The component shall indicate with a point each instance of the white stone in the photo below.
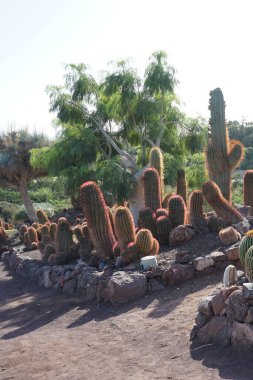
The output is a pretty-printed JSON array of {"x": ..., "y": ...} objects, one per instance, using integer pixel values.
[{"x": 201, "y": 263}]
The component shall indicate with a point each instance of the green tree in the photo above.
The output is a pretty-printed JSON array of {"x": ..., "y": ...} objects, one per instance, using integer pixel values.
[{"x": 15, "y": 168}]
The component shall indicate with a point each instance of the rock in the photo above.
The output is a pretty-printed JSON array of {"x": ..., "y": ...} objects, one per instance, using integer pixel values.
[
  {"x": 219, "y": 303},
  {"x": 155, "y": 285},
  {"x": 242, "y": 336},
  {"x": 240, "y": 274},
  {"x": 91, "y": 292},
  {"x": 249, "y": 317},
  {"x": 182, "y": 257},
  {"x": 69, "y": 286},
  {"x": 67, "y": 276},
  {"x": 247, "y": 291},
  {"x": 201, "y": 263},
  {"x": 205, "y": 306},
  {"x": 243, "y": 226},
  {"x": 181, "y": 234},
  {"x": 218, "y": 256},
  {"x": 178, "y": 273},
  {"x": 47, "y": 283},
  {"x": 119, "y": 263},
  {"x": 229, "y": 235},
  {"x": 237, "y": 308},
  {"x": 232, "y": 253},
  {"x": 155, "y": 272},
  {"x": 95, "y": 277},
  {"x": 202, "y": 319},
  {"x": 245, "y": 211},
  {"x": 217, "y": 330},
  {"x": 123, "y": 287},
  {"x": 194, "y": 332}
]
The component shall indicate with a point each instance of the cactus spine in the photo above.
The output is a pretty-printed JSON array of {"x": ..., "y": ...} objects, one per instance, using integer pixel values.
[
  {"x": 152, "y": 189},
  {"x": 182, "y": 185},
  {"x": 248, "y": 190},
  {"x": 156, "y": 161},
  {"x": 220, "y": 205},
  {"x": 196, "y": 215},
  {"x": 177, "y": 210},
  {"x": 222, "y": 155},
  {"x": 98, "y": 220},
  {"x": 124, "y": 227}
]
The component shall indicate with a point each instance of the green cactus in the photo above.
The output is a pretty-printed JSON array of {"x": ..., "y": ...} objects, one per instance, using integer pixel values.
[
  {"x": 155, "y": 248},
  {"x": 162, "y": 212},
  {"x": 248, "y": 190},
  {"x": 156, "y": 161},
  {"x": 182, "y": 185},
  {"x": 64, "y": 237},
  {"x": 220, "y": 205},
  {"x": 144, "y": 241},
  {"x": 98, "y": 220},
  {"x": 131, "y": 254},
  {"x": 152, "y": 189},
  {"x": 222, "y": 155},
  {"x": 196, "y": 216},
  {"x": 78, "y": 232},
  {"x": 163, "y": 227},
  {"x": 245, "y": 244},
  {"x": 124, "y": 227},
  {"x": 52, "y": 230},
  {"x": 177, "y": 210},
  {"x": 249, "y": 264},
  {"x": 147, "y": 219},
  {"x": 42, "y": 217}
]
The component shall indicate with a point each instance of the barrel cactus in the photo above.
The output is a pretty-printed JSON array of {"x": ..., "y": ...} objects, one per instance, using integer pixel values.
[
  {"x": 147, "y": 219},
  {"x": 98, "y": 220},
  {"x": 42, "y": 216},
  {"x": 196, "y": 216},
  {"x": 220, "y": 205},
  {"x": 222, "y": 155},
  {"x": 249, "y": 264},
  {"x": 124, "y": 227},
  {"x": 177, "y": 210},
  {"x": 163, "y": 228},
  {"x": 152, "y": 189},
  {"x": 245, "y": 244}
]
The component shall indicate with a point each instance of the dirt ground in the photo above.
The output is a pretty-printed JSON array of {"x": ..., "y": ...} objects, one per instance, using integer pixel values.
[{"x": 48, "y": 335}]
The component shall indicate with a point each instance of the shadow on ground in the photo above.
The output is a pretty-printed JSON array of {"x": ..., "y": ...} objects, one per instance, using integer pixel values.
[
  {"x": 231, "y": 363},
  {"x": 25, "y": 307}
]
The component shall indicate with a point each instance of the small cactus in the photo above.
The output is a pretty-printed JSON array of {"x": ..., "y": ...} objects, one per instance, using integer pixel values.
[
  {"x": 249, "y": 264},
  {"x": 64, "y": 237},
  {"x": 32, "y": 235},
  {"x": 163, "y": 228},
  {"x": 177, "y": 210},
  {"x": 220, "y": 205},
  {"x": 144, "y": 241},
  {"x": 152, "y": 189},
  {"x": 155, "y": 248},
  {"x": 162, "y": 212},
  {"x": 248, "y": 190},
  {"x": 131, "y": 254}
]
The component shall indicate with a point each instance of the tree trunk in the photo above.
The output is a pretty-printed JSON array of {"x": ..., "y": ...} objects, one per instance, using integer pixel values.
[
  {"x": 136, "y": 201},
  {"x": 27, "y": 201}
]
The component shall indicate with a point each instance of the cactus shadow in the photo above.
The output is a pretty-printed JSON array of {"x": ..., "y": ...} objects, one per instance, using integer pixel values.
[{"x": 231, "y": 364}]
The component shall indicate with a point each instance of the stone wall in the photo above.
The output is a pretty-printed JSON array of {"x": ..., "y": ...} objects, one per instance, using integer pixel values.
[{"x": 226, "y": 317}]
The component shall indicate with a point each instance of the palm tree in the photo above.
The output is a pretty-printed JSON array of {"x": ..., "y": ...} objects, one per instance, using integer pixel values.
[{"x": 15, "y": 168}]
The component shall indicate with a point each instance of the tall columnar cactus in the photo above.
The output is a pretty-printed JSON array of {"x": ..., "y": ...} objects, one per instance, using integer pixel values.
[
  {"x": 147, "y": 219},
  {"x": 156, "y": 161},
  {"x": 196, "y": 216},
  {"x": 245, "y": 244},
  {"x": 248, "y": 190},
  {"x": 220, "y": 205},
  {"x": 124, "y": 227},
  {"x": 98, "y": 220},
  {"x": 32, "y": 235},
  {"x": 181, "y": 184},
  {"x": 152, "y": 189},
  {"x": 222, "y": 155},
  {"x": 177, "y": 210}
]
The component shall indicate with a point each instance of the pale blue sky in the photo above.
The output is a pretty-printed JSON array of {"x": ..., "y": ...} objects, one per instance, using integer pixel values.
[{"x": 209, "y": 42}]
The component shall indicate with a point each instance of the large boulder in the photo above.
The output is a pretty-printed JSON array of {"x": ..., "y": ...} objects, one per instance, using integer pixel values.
[
  {"x": 242, "y": 336},
  {"x": 181, "y": 234},
  {"x": 217, "y": 330},
  {"x": 237, "y": 308},
  {"x": 123, "y": 287},
  {"x": 178, "y": 273}
]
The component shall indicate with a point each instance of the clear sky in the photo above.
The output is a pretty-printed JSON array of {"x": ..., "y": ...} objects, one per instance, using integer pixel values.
[{"x": 209, "y": 42}]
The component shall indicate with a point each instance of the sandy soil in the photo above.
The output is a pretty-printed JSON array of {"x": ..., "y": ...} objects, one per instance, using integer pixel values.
[{"x": 48, "y": 335}]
